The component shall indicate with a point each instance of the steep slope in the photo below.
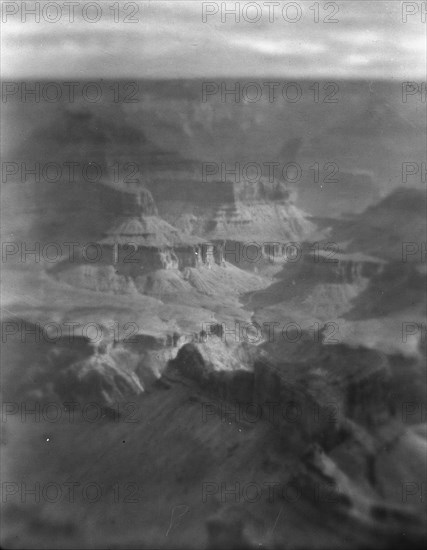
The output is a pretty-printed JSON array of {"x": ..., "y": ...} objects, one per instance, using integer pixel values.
[
  {"x": 144, "y": 253},
  {"x": 392, "y": 229},
  {"x": 241, "y": 211},
  {"x": 319, "y": 284},
  {"x": 365, "y": 283},
  {"x": 197, "y": 468}
]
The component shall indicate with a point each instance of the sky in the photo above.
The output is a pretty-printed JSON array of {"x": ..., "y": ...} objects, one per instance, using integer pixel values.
[{"x": 177, "y": 39}]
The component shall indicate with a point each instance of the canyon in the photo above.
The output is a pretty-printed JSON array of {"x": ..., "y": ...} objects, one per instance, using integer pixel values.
[{"x": 213, "y": 338}]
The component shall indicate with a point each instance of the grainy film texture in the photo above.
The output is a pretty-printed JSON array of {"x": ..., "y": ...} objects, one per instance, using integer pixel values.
[{"x": 213, "y": 256}]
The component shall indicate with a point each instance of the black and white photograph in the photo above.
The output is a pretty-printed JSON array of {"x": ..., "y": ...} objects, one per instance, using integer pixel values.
[{"x": 213, "y": 265}]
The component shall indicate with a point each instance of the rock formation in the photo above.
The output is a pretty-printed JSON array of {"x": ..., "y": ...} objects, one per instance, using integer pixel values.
[{"x": 336, "y": 384}]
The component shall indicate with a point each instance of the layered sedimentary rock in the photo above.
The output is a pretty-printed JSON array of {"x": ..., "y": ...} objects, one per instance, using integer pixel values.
[
  {"x": 144, "y": 253},
  {"x": 106, "y": 365},
  {"x": 140, "y": 242},
  {"x": 391, "y": 234},
  {"x": 227, "y": 212},
  {"x": 318, "y": 282}
]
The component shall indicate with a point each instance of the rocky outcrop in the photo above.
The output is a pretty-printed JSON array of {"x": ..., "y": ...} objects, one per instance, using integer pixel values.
[
  {"x": 246, "y": 211},
  {"x": 73, "y": 368},
  {"x": 138, "y": 244},
  {"x": 247, "y": 222},
  {"x": 315, "y": 397},
  {"x": 210, "y": 364},
  {"x": 105, "y": 378},
  {"x": 144, "y": 253}
]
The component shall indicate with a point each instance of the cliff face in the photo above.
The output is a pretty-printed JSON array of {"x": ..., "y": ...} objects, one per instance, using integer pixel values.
[
  {"x": 106, "y": 378},
  {"x": 326, "y": 263},
  {"x": 315, "y": 398},
  {"x": 106, "y": 371},
  {"x": 392, "y": 229},
  {"x": 318, "y": 282},
  {"x": 144, "y": 253},
  {"x": 244, "y": 211},
  {"x": 139, "y": 243},
  {"x": 334, "y": 408}
]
